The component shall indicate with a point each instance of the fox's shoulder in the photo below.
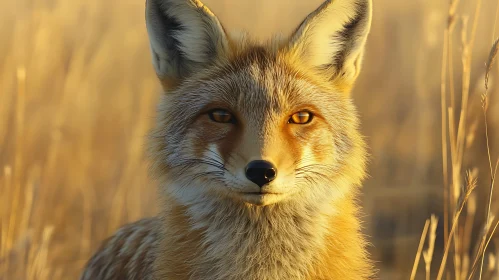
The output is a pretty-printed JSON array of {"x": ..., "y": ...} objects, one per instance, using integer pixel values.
[{"x": 128, "y": 254}]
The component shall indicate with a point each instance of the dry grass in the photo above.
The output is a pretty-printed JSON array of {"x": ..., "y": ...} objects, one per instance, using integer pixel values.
[
  {"x": 78, "y": 94},
  {"x": 420, "y": 249},
  {"x": 428, "y": 254},
  {"x": 459, "y": 139},
  {"x": 76, "y": 98}
]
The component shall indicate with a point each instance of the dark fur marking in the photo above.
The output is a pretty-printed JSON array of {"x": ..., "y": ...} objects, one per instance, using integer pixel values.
[
  {"x": 211, "y": 51},
  {"x": 170, "y": 26},
  {"x": 349, "y": 34},
  {"x": 256, "y": 55}
]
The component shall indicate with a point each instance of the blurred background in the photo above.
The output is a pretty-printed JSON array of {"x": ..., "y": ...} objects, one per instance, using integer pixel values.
[{"x": 78, "y": 95}]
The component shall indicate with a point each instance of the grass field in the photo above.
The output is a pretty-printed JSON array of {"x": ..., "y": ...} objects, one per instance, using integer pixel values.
[{"x": 78, "y": 95}]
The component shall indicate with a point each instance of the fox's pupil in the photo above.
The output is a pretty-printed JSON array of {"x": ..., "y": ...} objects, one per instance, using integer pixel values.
[
  {"x": 301, "y": 117},
  {"x": 221, "y": 116}
]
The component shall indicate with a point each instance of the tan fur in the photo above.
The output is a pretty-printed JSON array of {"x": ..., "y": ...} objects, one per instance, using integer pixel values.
[{"x": 306, "y": 226}]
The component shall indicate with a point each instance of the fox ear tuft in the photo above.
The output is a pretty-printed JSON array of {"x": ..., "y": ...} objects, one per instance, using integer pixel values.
[
  {"x": 331, "y": 39},
  {"x": 184, "y": 35}
]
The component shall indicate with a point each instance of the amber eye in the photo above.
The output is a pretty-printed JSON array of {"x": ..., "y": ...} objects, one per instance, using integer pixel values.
[
  {"x": 221, "y": 116},
  {"x": 302, "y": 117}
]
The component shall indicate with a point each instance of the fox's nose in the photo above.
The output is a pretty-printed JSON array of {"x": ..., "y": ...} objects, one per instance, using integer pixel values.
[{"x": 261, "y": 172}]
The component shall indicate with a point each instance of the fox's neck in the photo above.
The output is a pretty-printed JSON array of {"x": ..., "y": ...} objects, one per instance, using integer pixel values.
[{"x": 229, "y": 240}]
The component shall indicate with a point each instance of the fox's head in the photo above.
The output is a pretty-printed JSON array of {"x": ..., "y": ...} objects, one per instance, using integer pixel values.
[{"x": 252, "y": 123}]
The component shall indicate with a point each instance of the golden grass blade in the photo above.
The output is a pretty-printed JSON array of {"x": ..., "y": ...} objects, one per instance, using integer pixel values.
[
  {"x": 443, "y": 102},
  {"x": 495, "y": 22},
  {"x": 4, "y": 249},
  {"x": 469, "y": 189},
  {"x": 482, "y": 248},
  {"x": 428, "y": 254},
  {"x": 420, "y": 249},
  {"x": 490, "y": 62},
  {"x": 468, "y": 228}
]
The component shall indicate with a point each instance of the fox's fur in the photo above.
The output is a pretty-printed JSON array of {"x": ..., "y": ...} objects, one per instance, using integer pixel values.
[{"x": 307, "y": 227}]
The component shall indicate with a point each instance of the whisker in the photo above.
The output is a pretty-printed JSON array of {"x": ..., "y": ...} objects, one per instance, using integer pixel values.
[
  {"x": 208, "y": 176},
  {"x": 187, "y": 163},
  {"x": 312, "y": 173}
]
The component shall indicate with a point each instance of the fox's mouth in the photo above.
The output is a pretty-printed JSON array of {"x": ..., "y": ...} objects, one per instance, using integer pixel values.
[
  {"x": 261, "y": 198},
  {"x": 258, "y": 193}
]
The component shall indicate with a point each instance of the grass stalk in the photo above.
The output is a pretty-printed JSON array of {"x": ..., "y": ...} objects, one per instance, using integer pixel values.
[
  {"x": 493, "y": 172},
  {"x": 420, "y": 249},
  {"x": 469, "y": 189}
]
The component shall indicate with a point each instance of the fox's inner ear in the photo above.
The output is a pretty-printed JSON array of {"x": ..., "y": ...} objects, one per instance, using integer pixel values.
[
  {"x": 331, "y": 39},
  {"x": 184, "y": 35}
]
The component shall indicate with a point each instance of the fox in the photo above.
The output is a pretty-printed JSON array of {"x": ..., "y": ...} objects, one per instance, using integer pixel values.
[{"x": 256, "y": 150}]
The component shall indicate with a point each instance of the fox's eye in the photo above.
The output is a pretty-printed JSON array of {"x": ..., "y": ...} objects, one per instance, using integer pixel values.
[
  {"x": 302, "y": 117},
  {"x": 221, "y": 116}
]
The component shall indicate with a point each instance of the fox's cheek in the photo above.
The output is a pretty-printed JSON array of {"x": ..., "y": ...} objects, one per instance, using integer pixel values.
[
  {"x": 223, "y": 136},
  {"x": 323, "y": 150},
  {"x": 315, "y": 143}
]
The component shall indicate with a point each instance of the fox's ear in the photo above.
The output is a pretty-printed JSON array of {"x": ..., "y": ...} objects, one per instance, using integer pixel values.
[
  {"x": 184, "y": 35},
  {"x": 331, "y": 39}
]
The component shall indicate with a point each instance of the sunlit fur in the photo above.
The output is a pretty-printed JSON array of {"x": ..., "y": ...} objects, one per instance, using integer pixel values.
[{"x": 307, "y": 226}]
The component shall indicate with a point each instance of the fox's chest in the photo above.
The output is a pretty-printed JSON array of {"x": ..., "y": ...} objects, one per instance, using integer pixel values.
[{"x": 235, "y": 247}]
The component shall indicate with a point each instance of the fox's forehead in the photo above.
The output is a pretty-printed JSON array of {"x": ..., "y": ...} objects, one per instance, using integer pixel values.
[
  {"x": 268, "y": 81},
  {"x": 259, "y": 81}
]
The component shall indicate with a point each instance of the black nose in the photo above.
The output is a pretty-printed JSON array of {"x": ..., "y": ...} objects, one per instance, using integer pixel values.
[{"x": 261, "y": 172}]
